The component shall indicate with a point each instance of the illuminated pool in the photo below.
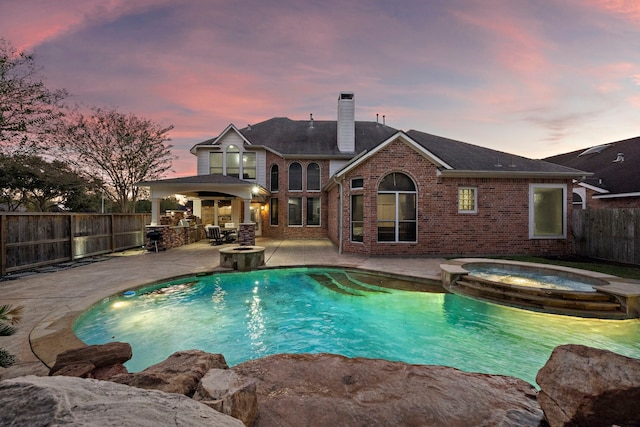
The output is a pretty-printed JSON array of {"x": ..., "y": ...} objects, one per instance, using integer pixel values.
[{"x": 306, "y": 310}]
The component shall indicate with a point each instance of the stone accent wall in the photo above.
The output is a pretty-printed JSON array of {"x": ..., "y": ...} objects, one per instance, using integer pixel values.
[
  {"x": 174, "y": 236},
  {"x": 247, "y": 234}
]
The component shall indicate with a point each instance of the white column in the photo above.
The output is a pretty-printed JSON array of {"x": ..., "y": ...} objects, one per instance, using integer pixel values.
[
  {"x": 155, "y": 211},
  {"x": 197, "y": 208},
  {"x": 247, "y": 210}
]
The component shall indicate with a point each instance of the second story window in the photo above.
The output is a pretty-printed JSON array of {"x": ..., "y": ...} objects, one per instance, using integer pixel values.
[
  {"x": 233, "y": 161},
  {"x": 215, "y": 163},
  {"x": 295, "y": 177},
  {"x": 313, "y": 177},
  {"x": 248, "y": 165}
]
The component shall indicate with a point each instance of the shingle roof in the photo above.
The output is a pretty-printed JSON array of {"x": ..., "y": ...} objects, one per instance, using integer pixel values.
[
  {"x": 615, "y": 177},
  {"x": 297, "y": 137},
  {"x": 464, "y": 156}
]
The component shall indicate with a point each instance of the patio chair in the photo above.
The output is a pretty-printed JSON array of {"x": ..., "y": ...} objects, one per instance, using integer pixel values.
[
  {"x": 229, "y": 232},
  {"x": 213, "y": 234}
]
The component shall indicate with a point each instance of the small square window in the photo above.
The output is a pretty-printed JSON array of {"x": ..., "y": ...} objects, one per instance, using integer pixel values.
[
  {"x": 467, "y": 200},
  {"x": 357, "y": 183}
]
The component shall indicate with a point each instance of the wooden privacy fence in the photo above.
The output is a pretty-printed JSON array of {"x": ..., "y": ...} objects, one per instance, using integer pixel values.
[
  {"x": 608, "y": 234},
  {"x": 29, "y": 240}
]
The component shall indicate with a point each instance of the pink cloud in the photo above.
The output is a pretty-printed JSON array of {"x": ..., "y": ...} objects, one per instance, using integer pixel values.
[
  {"x": 628, "y": 9},
  {"x": 29, "y": 23}
]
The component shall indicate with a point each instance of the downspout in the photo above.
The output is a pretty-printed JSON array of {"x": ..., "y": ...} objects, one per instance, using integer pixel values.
[{"x": 340, "y": 225}]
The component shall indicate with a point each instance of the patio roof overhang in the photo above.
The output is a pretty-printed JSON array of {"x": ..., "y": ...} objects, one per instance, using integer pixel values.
[{"x": 205, "y": 187}]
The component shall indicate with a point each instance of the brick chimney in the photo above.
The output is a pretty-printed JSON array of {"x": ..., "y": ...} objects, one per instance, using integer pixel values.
[{"x": 346, "y": 123}]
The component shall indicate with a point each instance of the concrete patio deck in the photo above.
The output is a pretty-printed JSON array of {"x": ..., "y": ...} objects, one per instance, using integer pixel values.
[{"x": 51, "y": 300}]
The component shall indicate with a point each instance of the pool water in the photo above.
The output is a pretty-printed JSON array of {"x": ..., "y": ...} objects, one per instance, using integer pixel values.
[
  {"x": 529, "y": 278},
  {"x": 301, "y": 310}
]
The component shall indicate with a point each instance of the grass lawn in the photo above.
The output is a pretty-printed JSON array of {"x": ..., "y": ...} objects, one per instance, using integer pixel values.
[{"x": 625, "y": 271}]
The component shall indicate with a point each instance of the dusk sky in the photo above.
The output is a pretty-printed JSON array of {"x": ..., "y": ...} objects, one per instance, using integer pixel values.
[{"x": 529, "y": 77}]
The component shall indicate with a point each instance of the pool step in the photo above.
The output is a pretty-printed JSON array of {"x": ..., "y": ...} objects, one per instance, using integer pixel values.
[
  {"x": 342, "y": 283},
  {"x": 329, "y": 283},
  {"x": 583, "y": 304}
]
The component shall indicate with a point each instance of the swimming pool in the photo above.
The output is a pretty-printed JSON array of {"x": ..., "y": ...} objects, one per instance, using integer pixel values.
[{"x": 306, "y": 310}]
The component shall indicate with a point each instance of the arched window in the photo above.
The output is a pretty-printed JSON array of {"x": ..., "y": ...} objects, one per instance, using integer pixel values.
[
  {"x": 397, "y": 209},
  {"x": 313, "y": 177},
  {"x": 295, "y": 177},
  {"x": 233, "y": 161},
  {"x": 274, "y": 178},
  {"x": 578, "y": 203}
]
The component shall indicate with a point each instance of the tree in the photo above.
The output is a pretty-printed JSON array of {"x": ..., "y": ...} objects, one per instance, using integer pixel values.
[
  {"x": 9, "y": 316},
  {"x": 121, "y": 148},
  {"x": 29, "y": 111},
  {"x": 33, "y": 183}
]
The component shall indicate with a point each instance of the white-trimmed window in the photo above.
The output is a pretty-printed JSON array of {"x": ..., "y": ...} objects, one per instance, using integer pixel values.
[
  {"x": 357, "y": 183},
  {"x": 233, "y": 161},
  {"x": 295, "y": 211},
  {"x": 215, "y": 163},
  {"x": 273, "y": 211},
  {"x": 248, "y": 165},
  {"x": 295, "y": 177},
  {"x": 467, "y": 200},
  {"x": 397, "y": 209},
  {"x": 547, "y": 211},
  {"x": 357, "y": 218},
  {"x": 313, "y": 177},
  {"x": 313, "y": 211},
  {"x": 275, "y": 178}
]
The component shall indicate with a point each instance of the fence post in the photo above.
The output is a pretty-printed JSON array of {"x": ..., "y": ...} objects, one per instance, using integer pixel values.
[
  {"x": 3, "y": 245},
  {"x": 72, "y": 240},
  {"x": 113, "y": 233}
]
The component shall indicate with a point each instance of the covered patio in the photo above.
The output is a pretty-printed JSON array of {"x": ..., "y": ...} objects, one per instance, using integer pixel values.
[{"x": 234, "y": 195}]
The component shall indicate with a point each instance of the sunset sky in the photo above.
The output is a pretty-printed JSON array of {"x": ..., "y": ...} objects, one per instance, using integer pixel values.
[{"x": 529, "y": 77}]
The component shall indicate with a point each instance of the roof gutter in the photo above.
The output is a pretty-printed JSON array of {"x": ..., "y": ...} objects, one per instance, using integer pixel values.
[
  {"x": 619, "y": 195},
  {"x": 453, "y": 173}
]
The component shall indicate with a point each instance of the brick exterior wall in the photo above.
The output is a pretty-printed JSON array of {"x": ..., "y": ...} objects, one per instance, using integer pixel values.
[
  {"x": 500, "y": 227},
  {"x": 283, "y": 230}
]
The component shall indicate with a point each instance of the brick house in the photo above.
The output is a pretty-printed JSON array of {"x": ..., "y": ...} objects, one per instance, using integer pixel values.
[
  {"x": 373, "y": 189},
  {"x": 614, "y": 182}
]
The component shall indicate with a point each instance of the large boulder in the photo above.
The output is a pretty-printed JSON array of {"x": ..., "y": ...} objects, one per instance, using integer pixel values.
[
  {"x": 584, "y": 386},
  {"x": 92, "y": 361},
  {"x": 180, "y": 373},
  {"x": 229, "y": 393},
  {"x": 325, "y": 390},
  {"x": 47, "y": 401}
]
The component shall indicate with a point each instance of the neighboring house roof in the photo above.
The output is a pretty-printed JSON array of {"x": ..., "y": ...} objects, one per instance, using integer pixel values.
[
  {"x": 613, "y": 174},
  {"x": 308, "y": 138}
]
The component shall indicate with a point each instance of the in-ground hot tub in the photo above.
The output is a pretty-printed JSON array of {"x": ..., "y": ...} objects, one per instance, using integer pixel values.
[
  {"x": 547, "y": 288},
  {"x": 242, "y": 258}
]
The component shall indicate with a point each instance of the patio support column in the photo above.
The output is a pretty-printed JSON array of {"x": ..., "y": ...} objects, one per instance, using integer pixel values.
[
  {"x": 247, "y": 211},
  {"x": 197, "y": 208},
  {"x": 155, "y": 211}
]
